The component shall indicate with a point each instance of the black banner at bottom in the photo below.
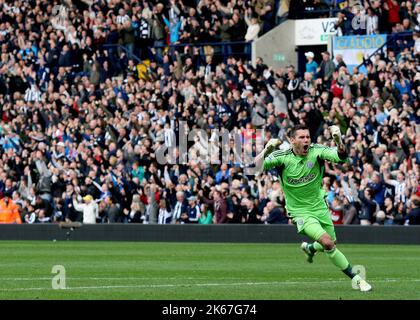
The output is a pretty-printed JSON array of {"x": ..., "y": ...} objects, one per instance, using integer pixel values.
[{"x": 202, "y": 309}]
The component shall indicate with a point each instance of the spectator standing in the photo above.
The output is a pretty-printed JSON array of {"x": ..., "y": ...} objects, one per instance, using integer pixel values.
[
  {"x": 89, "y": 208},
  {"x": 193, "y": 210},
  {"x": 372, "y": 22},
  {"x": 218, "y": 202},
  {"x": 368, "y": 208},
  {"x": 413, "y": 217},
  {"x": 311, "y": 65},
  {"x": 389, "y": 211},
  {"x": 350, "y": 215},
  {"x": 206, "y": 215},
  {"x": 393, "y": 9},
  {"x": 378, "y": 188},
  {"x": 9, "y": 211},
  {"x": 253, "y": 28},
  {"x": 343, "y": 24},
  {"x": 252, "y": 214},
  {"x": 274, "y": 214},
  {"x": 326, "y": 68},
  {"x": 165, "y": 213},
  {"x": 336, "y": 209},
  {"x": 400, "y": 186},
  {"x": 180, "y": 208}
]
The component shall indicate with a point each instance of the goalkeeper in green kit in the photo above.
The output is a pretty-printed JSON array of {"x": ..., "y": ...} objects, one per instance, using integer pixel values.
[{"x": 301, "y": 171}]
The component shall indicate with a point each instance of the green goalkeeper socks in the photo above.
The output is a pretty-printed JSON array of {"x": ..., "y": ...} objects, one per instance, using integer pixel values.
[
  {"x": 337, "y": 258},
  {"x": 349, "y": 272},
  {"x": 316, "y": 246}
]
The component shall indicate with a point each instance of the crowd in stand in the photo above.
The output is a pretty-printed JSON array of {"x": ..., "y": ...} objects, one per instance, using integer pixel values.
[
  {"x": 81, "y": 123},
  {"x": 377, "y": 17},
  {"x": 359, "y": 17}
]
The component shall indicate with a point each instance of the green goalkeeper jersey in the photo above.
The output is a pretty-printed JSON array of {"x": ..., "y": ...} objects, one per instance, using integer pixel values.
[{"x": 301, "y": 178}]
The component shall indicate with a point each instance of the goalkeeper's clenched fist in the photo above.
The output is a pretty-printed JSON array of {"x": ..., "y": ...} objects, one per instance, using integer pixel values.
[
  {"x": 271, "y": 145},
  {"x": 336, "y": 134}
]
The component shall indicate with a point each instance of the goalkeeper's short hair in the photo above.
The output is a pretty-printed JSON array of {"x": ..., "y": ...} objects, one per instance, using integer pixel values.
[{"x": 293, "y": 130}]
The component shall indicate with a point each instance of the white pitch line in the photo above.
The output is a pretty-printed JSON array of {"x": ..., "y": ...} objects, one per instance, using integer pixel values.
[
  {"x": 111, "y": 278},
  {"x": 168, "y": 285},
  {"x": 145, "y": 278},
  {"x": 200, "y": 285}
]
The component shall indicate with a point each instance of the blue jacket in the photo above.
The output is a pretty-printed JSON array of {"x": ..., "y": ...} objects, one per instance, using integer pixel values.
[
  {"x": 402, "y": 89},
  {"x": 311, "y": 67},
  {"x": 173, "y": 30}
]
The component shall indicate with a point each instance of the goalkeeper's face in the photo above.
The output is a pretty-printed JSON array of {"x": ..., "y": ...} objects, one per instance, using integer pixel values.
[{"x": 301, "y": 142}]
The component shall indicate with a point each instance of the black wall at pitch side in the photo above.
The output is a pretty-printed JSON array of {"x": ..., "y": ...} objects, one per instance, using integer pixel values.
[{"x": 206, "y": 233}]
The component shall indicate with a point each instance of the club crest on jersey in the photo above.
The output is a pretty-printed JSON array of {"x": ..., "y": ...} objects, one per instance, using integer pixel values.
[{"x": 310, "y": 164}]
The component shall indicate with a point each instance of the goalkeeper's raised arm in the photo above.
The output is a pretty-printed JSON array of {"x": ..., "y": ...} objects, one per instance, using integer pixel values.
[
  {"x": 331, "y": 154},
  {"x": 272, "y": 145},
  {"x": 336, "y": 134}
]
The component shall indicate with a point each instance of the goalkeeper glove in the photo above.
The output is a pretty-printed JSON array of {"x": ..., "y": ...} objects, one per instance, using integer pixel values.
[
  {"x": 271, "y": 145},
  {"x": 336, "y": 134}
]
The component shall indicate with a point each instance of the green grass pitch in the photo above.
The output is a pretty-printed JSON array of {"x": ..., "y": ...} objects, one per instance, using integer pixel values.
[{"x": 208, "y": 271}]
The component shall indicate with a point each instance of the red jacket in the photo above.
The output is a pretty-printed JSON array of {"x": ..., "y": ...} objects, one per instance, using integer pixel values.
[
  {"x": 394, "y": 12},
  {"x": 336, "y": 89},
  {"x": 337, "y": 216}
]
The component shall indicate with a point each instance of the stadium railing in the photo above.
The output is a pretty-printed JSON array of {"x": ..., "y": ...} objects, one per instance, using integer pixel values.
[
  {"x": 111, "y": 47},
  {"x": 222, "y": 50}
]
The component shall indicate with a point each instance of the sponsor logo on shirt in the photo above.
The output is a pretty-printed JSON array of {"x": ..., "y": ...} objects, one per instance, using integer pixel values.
[{"x": 304, "y": 179}]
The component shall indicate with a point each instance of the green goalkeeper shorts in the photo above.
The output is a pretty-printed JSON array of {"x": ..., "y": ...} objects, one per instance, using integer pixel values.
[{"x": 314, "y": 226}]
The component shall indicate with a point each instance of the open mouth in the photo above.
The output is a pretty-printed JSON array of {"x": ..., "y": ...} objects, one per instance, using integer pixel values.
[{"x": 305, "y": 147}]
